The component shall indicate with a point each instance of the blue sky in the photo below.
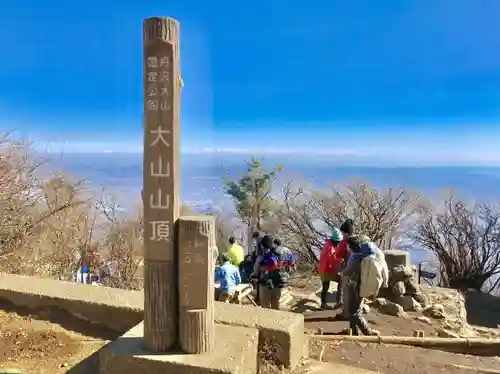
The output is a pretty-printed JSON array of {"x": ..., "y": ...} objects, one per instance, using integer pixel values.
[{"x": 397, "y": 78}]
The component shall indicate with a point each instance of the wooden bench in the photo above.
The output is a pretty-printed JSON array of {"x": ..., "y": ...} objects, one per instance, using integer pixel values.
[{"x": 242, "y": 292}]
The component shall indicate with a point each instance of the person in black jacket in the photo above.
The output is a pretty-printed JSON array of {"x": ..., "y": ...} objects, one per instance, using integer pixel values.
[{"x": 258, "y": 244}]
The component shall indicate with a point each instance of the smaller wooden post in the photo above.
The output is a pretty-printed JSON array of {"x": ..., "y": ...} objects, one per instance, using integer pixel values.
[{"x": 196, "y": 284}]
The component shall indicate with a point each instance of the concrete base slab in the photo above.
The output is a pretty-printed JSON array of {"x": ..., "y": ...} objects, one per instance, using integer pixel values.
[
  {"x": 316, "y": 367},
  {"x": 236, "y": 353}
]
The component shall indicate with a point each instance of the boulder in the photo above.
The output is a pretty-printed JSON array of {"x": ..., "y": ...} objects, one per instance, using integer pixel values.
[
  {"x": 398, "y": 289},
  {"x": 412, "y": 286},
  {"x": 378, "y": 302},
  {"x": 409, "y": 304},
  {"x": 435, "y": 311},
  {"x": 393, "y": 309},
  {"x": 422, "y": 298},
  {"x": 400, "y": 273}
]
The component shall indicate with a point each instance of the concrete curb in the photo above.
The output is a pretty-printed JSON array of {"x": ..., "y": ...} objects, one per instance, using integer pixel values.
[{"x": 121, "y": 310}]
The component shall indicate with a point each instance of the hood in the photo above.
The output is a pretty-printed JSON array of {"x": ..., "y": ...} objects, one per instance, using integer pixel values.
[{"x": 369, "y": 248}]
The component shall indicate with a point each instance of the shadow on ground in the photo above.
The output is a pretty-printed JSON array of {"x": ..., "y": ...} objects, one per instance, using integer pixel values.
[
  {"x": 88, "y": 365},
  {"x": 62, "y": 318},
  {"x": 304, "y": 305},
  {"x": 482, "y": 309}
]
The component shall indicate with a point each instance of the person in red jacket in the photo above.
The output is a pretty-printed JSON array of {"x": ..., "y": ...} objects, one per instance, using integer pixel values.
[
  {"x": 342, "y": 255},
  {"x": 329, "y": 267}
]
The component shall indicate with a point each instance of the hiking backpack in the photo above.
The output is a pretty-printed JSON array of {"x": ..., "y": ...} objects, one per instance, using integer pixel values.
[
  {"x": 274, "y": 268},
  {"x": 374, "y": 272}
]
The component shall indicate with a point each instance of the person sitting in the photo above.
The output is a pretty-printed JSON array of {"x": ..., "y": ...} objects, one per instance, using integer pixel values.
[
  {"x": 270, "y": 271},
  {"x": 330, "y": 266},
  {"x": 235, "y": 252},
  {"x": 228, "y": 276}
]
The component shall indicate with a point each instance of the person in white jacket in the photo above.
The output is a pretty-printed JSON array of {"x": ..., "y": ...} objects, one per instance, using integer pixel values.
[{"x": 374, "y": 272}]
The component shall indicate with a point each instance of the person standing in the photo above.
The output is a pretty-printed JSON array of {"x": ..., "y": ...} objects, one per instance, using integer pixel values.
[
  {"x": 341, "y": 257},
  {"x": 270, "y": 271},
  {"x": 235, "y": 252},
  {"x": 352, "y": 279},
  {"x": 329, "y": 266},
  {"x": 228, "y": 276},
  {"x": 291, "y": 257},
  {"x": 257, "y": 241}
]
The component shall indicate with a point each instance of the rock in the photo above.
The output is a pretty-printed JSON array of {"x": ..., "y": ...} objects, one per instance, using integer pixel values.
[
  {"x": 378, "y": 302},
  {"x": 443, "y": 333},
  {"x": 409, "y": 304},
  {"x": 435, "y": 311},
  {"x": 393, "y": 309},
  {"x": 422, "y": 298},
  {"x": 424, "y": 319},
  {"x": 401, "y": 273},
  {"x": 398, "y": 289},
  {"x": 396, "y": 257},
  {"x": 412, "y": 287}
]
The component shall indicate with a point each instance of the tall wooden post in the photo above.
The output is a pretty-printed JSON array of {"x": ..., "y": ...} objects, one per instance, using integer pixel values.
[{"x": 162, "y": 85}]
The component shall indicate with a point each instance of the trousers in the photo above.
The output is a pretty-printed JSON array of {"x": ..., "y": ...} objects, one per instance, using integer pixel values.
[{"x": 269, "y": 297}]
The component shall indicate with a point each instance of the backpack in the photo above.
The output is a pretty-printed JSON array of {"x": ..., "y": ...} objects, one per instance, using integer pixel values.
[
  {"x": 374, "y": 271},
  {"x": 274, "y": 268}
]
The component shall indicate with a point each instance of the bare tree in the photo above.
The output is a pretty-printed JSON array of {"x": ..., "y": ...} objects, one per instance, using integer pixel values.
[
  {"x": 42, "y": 221},
  {"x": 307, "y": 216},
  {"x": 466, "y": 242}
]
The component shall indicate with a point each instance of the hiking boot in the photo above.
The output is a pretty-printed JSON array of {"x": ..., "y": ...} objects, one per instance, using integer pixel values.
[{"x": 374, "y": 332}]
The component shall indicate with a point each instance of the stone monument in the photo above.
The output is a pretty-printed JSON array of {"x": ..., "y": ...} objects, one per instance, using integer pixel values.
[{"x": 179, "y": 334}]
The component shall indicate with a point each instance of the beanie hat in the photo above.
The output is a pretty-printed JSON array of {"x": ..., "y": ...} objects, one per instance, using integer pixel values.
[
  {"x": 347, "y": 227},
  {"x": 336, "y": 235}
]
